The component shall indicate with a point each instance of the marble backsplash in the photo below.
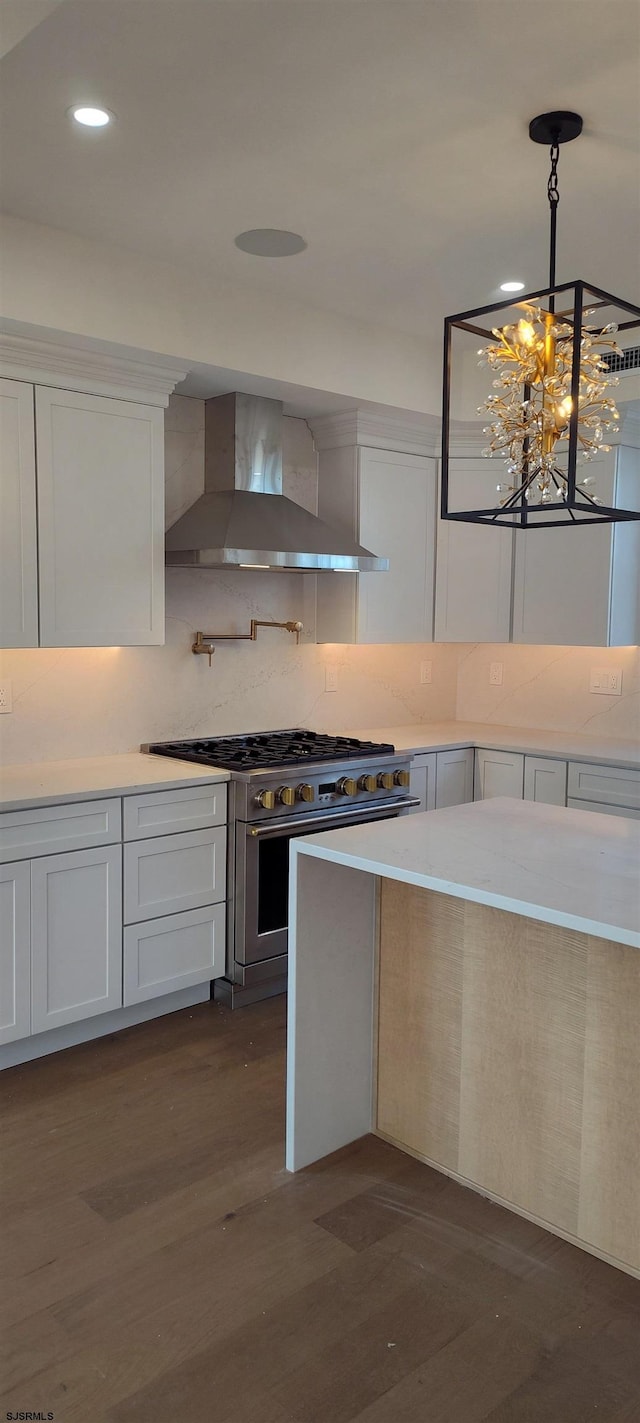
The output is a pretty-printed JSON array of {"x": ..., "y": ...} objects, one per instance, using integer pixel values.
[
  {"x": 548, "y": 687},
  {"x": 97, "y": 701}
]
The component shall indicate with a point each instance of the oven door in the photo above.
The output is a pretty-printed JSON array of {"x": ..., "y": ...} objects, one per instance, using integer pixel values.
[{"x": 261, "y": 891}]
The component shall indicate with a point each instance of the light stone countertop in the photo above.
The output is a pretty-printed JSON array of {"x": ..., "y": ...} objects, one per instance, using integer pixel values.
[
  {"x": 575, "y": 868},
  {"x": 448, "y": 735},
  {"x": 54, "y": 782}
]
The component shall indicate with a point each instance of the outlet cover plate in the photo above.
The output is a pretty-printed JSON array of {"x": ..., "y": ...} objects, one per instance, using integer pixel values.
[
  {"x": 425, "y": 673},
  {"x": 495, "y": 674},
  {"x": 6, "y": 697},
  {"x": 331, "y": 677}
]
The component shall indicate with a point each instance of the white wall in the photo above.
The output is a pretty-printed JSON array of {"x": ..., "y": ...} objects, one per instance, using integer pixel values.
[{"x": 67, "y": 283}]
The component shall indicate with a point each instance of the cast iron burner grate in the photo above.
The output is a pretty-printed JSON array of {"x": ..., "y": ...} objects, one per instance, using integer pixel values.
[{"x": 269, "y": 748}]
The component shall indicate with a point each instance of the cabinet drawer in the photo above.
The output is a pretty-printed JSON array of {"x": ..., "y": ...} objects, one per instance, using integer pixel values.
[
  {"x": 610, "y": 784},
  {"x": 25, "y": 834},
  {"x": 165, "y": 812},
  {"x": 545, "y": 780},
  {"x": 604, "y": 809},
  {"x": 164, "y": 955},
  {"x": 173, "y": 873}
]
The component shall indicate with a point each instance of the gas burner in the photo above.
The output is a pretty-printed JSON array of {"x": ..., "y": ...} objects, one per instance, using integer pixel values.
[{"x": 265, "y": 749}]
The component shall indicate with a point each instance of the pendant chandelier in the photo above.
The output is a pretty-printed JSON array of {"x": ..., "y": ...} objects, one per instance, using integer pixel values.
[{"x": 549, "y": 365}]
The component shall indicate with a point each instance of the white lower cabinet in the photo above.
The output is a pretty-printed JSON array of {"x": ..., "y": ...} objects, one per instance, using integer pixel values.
[
  {"x": 177, "y": 951},
  {"x": 604, "y": 785},
  {"x": 15, "y": 946},
  {"x": 76, "y": 936},
  {"x": 454, "y": 777},
  {"x": 498, "y": 773},
  {"x": 423, "y": 781},
  {"x": 545, "y": 780}
]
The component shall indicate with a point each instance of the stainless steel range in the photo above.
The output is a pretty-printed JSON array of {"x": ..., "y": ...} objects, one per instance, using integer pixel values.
[{"x": 283, "y": 784}]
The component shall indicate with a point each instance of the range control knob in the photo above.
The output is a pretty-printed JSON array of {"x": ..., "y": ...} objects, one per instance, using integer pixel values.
[
  {"x": 266, "y": 799},
  {"x": 367, "y": 783},
  {"x": 305, "y": 792},
  {"x": 385, "y": 780},
  {"x": 286, "y": 795},
  {"x": 402, "y": 778},
  {"x": 346, "y": 786}
]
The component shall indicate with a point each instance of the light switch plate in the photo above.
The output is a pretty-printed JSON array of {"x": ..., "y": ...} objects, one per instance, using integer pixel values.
[
  {"x": 331, "y": 677},
  {"x": 606, "y": 680},
  {"x": 6, "y": 697}
]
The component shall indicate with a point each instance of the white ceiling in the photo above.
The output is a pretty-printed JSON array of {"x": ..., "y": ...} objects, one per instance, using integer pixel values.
[{"x": 391, "y": 133}]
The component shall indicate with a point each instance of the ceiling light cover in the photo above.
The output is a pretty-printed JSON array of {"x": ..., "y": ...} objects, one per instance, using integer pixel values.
[
  {"x": 512, "y": 286},
  {"x": 550, "y": 407},
  {"x": 270, "y": 242},
  {"x": 90, "y": 117}
]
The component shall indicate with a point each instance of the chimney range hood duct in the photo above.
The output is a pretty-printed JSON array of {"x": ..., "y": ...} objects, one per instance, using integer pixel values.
[{"x": 243, "y": 519}]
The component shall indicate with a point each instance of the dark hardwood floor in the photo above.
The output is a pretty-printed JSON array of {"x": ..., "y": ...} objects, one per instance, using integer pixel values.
[{"x": 159, "y": 1265}]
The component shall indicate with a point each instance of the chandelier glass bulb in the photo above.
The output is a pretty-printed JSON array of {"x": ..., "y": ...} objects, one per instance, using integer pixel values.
[{"x": 533, "y": 357}]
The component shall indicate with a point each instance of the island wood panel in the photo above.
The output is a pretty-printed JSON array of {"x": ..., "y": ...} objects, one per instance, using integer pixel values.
[
  {"x": 609, "y": 1212},
  {"x": 420, "y": 1020},
  {"x": 509, "y": 1055},
  {"x": 522, "y": 1066}
]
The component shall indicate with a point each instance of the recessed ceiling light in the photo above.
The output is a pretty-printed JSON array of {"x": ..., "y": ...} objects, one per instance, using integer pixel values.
[
  {"x": 270, "y": 242},
  {"x": 512, "y": 286},
  {"x": 91, "y": 118}
]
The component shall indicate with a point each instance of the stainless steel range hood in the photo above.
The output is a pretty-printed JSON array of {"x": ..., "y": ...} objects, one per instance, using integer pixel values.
[{"x": 243, "y": 520}]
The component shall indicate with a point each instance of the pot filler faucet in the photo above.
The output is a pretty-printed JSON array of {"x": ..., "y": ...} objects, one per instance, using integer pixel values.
[{"x": 204, "y": 640}]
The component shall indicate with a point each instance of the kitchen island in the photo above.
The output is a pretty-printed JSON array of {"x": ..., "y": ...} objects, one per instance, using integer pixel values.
[{"x": 466, "y": 984}]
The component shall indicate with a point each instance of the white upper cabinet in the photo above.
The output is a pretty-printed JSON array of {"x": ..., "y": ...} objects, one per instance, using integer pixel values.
[
  {"x": 386, "y": 498},
  {"x": 474, "y": 564},
  {"x": 581, "y": 586},
  {"x": 100, "y": 520},
  {"x": 81, "y": 496},
  {"x": 18, "y": 539}
]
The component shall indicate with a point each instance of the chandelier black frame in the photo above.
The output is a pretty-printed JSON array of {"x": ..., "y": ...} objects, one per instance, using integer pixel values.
[{"x": 568, "y": 301}]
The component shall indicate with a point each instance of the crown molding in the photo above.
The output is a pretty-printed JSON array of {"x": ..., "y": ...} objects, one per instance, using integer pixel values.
[
  {"x": 88, "y": 371},
  {"x": 418, "y": 436}
]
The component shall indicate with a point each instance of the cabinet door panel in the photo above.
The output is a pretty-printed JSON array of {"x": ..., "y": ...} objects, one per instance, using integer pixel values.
[
  {"x": 499, "y": 773},
  {"x": 423, "y": 781},
  {"x": 163, "y": 955},
  {"x": 454, "y": 777},
  {"x": 545, "y": 780},
  {"x": 15, "y": 951},
  {"x": 397, "y": 521},
  {"x": 100, "y": 520},
  {"x": 76, "y": 954},
  {"x": 473, "y": 570},
  {"x": 562, "y": 578},
  {"x": 18, "y": 543},
  {"x": 173, "y": 873}
]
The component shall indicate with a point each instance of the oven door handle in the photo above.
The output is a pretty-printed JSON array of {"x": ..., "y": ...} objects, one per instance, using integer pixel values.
[{"x": 320, "y": 822}]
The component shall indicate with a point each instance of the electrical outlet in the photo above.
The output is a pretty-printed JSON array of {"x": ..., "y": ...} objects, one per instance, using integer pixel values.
[
  {"x": 6, "y": 699},
  {"x": 607, "y": 680},
  {"x": 495, "y": 674},
  {"x": 331, "y": 677},
  {"x": 425, "y": 674}
]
